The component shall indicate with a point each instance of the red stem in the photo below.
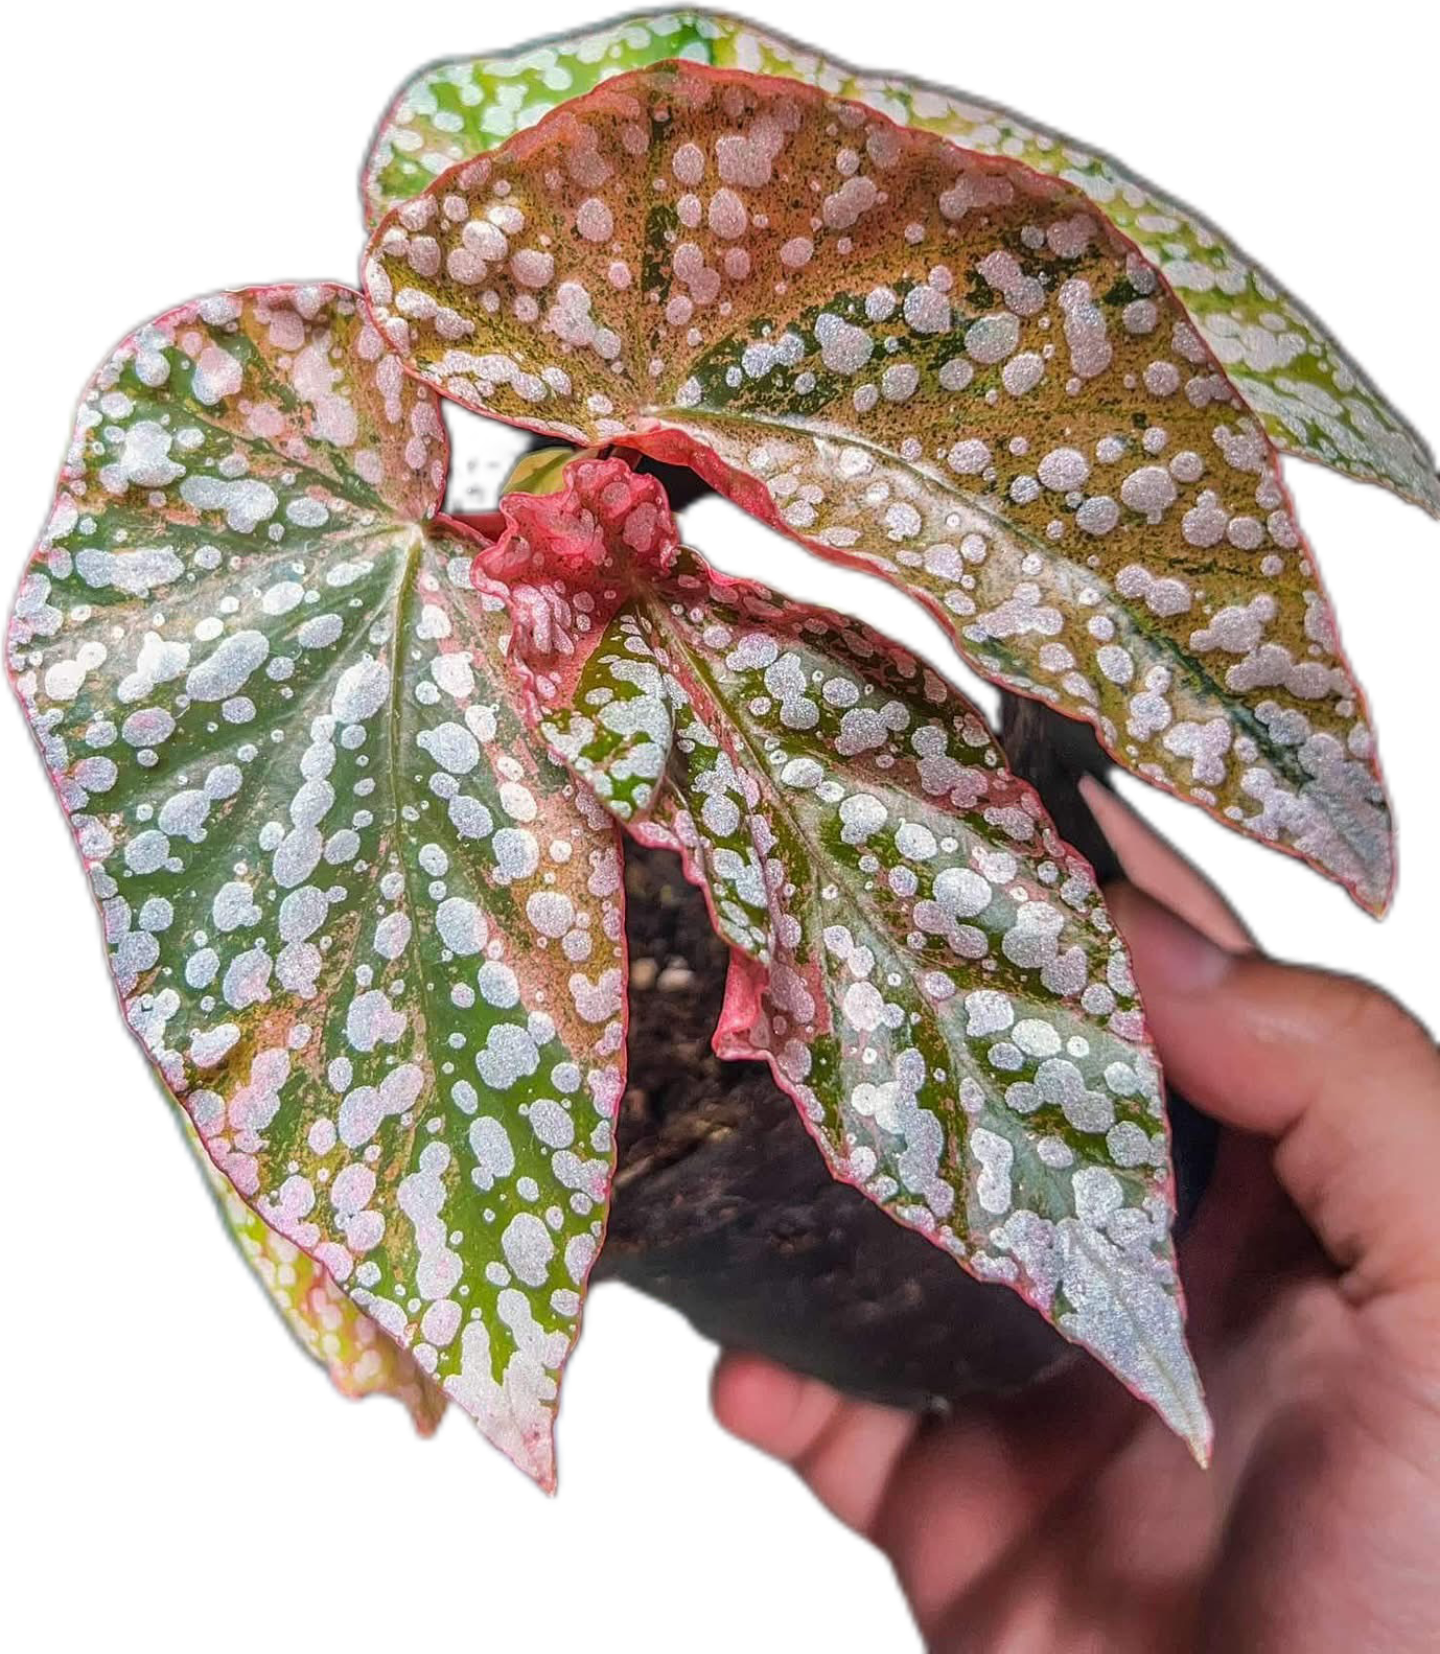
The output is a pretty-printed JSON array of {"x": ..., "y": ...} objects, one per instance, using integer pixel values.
[{"x": 489, "y": 523}]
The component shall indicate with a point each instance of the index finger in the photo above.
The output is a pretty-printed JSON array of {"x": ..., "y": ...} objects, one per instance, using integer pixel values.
[{"x": 1343, "y": 1078}]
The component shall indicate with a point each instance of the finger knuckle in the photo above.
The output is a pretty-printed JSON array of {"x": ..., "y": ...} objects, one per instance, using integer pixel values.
[{"x": 1367, "y": 1016}]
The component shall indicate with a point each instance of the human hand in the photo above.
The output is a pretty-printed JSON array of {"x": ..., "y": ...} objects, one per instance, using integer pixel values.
[{"x": 1068, "y": 1518}]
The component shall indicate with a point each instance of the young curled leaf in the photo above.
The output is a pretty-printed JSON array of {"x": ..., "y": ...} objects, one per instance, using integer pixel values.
[
  {"x": 936, "y": 365},
  {"x": 369, "y": 934},
  {"x": 927, "y": 968},
  {"x": 1313, "y": 399}
]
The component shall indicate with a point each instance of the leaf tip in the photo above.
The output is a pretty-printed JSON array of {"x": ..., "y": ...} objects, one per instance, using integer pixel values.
[
  {"x": 1195, "y": 1426},
  {"x": 1378, "y": 907}
]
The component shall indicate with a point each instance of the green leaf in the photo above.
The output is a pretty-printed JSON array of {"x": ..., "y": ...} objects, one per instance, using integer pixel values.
[
  {"x": 938, "y": 366},
  {"x": 1312, "y": 397},
  {"x": 454, "y": 110},
  {"x": 928, "y": 969},
  {"x": 541, "y": 471},
  {"x": 369, "y": 934}
]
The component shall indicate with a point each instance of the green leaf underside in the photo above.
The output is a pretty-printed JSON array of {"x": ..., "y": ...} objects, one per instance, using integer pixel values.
[
  {"x": 928, "y": 968},
  {"x": 1314, "y": 400},
  {"x": 937, "y": 365},
  {"x": 369, "y": 933}
]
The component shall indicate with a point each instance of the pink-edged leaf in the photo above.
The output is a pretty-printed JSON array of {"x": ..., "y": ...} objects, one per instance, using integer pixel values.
[
  {"x": 939, "y": 366},
  {"x": 370, "y": 935},
  {"x": 1312, "y": 397},
  {"x": 928, "y": 969}
]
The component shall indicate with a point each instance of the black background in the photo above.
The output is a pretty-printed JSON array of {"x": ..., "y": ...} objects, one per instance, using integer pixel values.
[{"x": 161, "y": 162}]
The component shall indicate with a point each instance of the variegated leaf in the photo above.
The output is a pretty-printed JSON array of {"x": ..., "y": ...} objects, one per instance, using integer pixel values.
[
  {"x": 457, "y": 109},
  {"x": 939, "y": 366},
  {"x": 927, "y": 967},
  {"x": 360, "y": 1359},
  {"x": 369, "y": 934},
  {"x": 1313, "y": 398}
]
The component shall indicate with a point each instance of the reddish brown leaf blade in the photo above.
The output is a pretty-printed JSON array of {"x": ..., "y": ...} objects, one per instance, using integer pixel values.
[
  {"x": 937, "y": 365},
  {"x": 1313, "y": 398}
]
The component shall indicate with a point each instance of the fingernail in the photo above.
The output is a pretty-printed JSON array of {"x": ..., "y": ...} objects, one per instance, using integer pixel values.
[
  {"x": 1155, "y": 866},
  {"x": 1172, "y": 956}
]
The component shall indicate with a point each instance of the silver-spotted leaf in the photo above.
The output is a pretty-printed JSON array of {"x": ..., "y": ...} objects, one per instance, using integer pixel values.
[
  {"x": 360, "y": 1359},
  {"x": 1312, "y": 397},
  {"x": 939, "y": 366},
  {"x": 370, "y": 935},
  {"x": 927, "y": 967}
]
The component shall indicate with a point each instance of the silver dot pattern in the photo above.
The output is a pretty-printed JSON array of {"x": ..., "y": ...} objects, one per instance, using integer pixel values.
[
  {"x": 370, "y": 936},
  {"x": 937, "y": 365},
  {"x": 927, "y": 968}
]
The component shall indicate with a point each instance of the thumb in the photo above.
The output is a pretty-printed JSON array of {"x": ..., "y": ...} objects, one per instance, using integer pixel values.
[{"x": 1344, "y": 1080}]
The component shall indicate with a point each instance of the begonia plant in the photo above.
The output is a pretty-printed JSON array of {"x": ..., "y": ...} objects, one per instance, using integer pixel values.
[{"x": 353, "y": 777}]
